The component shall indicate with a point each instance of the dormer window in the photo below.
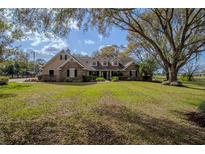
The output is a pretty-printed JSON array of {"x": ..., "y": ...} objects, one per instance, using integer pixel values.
[
  {"x": 104, "y": 63},
  {"x": 115, "y": 63},
  {"x": 94, "y": 63}
]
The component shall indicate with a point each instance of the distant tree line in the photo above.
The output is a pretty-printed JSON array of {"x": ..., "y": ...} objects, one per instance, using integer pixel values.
[{"x": 17, "y": 64}]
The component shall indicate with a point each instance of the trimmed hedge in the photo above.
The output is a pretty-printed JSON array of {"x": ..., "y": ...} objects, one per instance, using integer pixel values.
[
  {"x": 100, "y": 79},
  {"x": 115, "y": 78},
  {"x": 88, "y": 78},
  {"x": 4, "y": 80}
]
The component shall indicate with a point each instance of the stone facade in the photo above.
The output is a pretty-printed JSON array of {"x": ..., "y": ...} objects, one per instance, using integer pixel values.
[
  {"x": 53, "y": 65},
  {"x": 74, "y": 65},
  {"x": 131, "y": 73}
]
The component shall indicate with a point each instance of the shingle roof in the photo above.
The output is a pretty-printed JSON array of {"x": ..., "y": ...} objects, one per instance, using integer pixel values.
[{"x": 87, "y": 62}]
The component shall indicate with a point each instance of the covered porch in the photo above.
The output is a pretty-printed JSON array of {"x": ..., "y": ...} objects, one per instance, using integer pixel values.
[{"x": 108, "y": 74}]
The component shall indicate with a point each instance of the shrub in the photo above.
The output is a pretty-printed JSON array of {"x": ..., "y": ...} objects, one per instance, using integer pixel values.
[
  {"x": 184, "y": 77},
  {"x": 4, "y": 80},
  {"x": 202, "y": 107},
  {"x": 166, "y": 83},
  {"x": 40, "y": 77},
  {"x": 100, "y": 79},
  {"x": 88, "y": 78},
  {"x": 115, "y": 78}
]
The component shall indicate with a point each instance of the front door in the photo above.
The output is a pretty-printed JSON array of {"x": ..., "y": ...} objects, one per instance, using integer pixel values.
[{"x": 104, "y": 74}]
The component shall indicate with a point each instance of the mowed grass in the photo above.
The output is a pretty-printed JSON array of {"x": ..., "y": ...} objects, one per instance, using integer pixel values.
[{"x": 102, "y": 113}]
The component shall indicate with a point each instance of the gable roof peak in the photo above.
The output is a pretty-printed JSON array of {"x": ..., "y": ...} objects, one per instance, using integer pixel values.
[{"x": 66, "y": 50}]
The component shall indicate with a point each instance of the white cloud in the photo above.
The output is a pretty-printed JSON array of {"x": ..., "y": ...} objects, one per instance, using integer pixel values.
[
  {"x": 40, "y": 52},
  {"x": 89, "y": 42},
  {"x": 83, "y": 53},
  {"x": 73, "y": 24},
  {"x": 51, "y": 46},
  {"x": 55, "y": 46},
  {"x": 36, "y": 42}
]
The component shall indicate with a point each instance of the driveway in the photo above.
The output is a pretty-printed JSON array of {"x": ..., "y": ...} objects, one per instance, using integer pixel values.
[{"x": 18, "y": 80}]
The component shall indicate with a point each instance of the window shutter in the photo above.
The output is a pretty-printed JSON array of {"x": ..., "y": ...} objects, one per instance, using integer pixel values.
[
  {"x": 75, "y": 73},
  {"x": 68, "y": 73}
]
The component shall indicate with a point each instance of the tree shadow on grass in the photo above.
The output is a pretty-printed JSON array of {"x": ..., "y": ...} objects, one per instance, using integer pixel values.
[
  {"x": 40, "y": 131},
  {"x": 2, "y": 96},
  {"x": 14, "y": 86},
  {"x": 101, "y": 133},
  {"x": 72, "y": 83},
  {"x": 111, "y": 123},
  {"x": 152, "y": 130},
  {"x": 189, "y": 87},
  {"x": 197, "y": 117}
]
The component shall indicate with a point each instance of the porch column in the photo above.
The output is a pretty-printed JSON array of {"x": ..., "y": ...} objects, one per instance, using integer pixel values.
[
  {"x": 110, "y": 75},
  {"x": 99, "y": 73}
]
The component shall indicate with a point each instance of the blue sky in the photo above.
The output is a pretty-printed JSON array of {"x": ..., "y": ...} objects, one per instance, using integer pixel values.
[{"x": 77, "y": 41}]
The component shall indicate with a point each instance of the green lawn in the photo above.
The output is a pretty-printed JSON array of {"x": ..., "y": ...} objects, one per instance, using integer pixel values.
[{"x": 103, "y": 113}]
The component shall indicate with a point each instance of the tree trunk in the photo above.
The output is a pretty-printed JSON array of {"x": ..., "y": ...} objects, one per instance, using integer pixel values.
[
  {"x": 166, "y": 71},
  {"x": 167, "y": 76},
  {"x": 172, "y": 74},
  {"x": 189, "y": 77}
]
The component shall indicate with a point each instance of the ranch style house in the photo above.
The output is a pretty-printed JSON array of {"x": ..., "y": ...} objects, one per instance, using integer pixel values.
[{"x": 66, "y": 67}]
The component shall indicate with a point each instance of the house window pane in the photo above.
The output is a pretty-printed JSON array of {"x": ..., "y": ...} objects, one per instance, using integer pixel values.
[
  {"x": 104, "y": 63},
  {"x": 51, "y": 72},
  {"x": 65, "y": 57},
  {"x": 61, "y": 57}
]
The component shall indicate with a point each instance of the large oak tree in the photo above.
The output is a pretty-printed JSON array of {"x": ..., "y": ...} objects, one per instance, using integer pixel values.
[{"x": 175, "y": 35}]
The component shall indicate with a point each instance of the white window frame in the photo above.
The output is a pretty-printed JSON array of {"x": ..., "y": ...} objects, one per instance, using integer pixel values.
[
  {"x": 106, "y": 63},
  {"x": 113, "y": 63},
  {"x": 95, "y": 63},
  {"x": 72, "y": 72}
]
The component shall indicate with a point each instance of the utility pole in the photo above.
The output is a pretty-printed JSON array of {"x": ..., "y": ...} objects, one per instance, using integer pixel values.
[{"x": 34, "y": 61}]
